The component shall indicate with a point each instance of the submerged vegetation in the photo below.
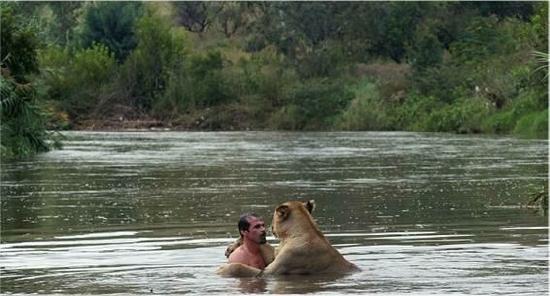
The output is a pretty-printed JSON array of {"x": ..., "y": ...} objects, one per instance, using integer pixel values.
[{"x": 461, "y": 67}]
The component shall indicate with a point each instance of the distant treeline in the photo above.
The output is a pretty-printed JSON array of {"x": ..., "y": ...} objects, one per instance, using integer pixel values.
[{"x": 462, "y": 67}]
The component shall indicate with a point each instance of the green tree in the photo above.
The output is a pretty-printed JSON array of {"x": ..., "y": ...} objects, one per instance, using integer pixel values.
[
  {"x": 19, "y": 45},
  {"x": 66, "y": 18},
  {"x": 78, "y": 81},
  {"x": 112, "y": 24},
  {"x": 197, "y": 16},
  {"x": 317, "y": 102},
  {"x": 159, "y": 52},
  {"x": 21, "y": 116}
]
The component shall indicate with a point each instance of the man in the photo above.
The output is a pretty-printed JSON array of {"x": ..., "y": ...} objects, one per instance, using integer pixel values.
[{"x": 253, "y": 236}]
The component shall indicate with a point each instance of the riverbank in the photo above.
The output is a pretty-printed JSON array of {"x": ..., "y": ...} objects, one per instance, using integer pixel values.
[{"x": 225, "y": 117}]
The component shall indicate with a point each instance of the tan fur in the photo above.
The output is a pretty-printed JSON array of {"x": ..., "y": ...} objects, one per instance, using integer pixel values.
[{"x": 303, "y": 248}]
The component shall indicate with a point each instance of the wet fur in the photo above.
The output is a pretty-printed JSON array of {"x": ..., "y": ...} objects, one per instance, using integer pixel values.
[{"x": 303, "y": 248}]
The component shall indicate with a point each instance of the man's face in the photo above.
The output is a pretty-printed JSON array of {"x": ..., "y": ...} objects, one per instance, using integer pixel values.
[{"x": 256, "y": 231}]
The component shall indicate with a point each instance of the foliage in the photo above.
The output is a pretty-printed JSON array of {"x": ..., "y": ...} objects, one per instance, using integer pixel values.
[
  {"x": 146, "y": 71},
  {"x": 22, "y": 128},
  {"x": 112, "y": 24},
  {"x": 22, "y": 120},
  {"x": 526, "y": 106},
  {"x": 425, "y": 66},
  {"x": 427, "y": 51},
  {"x": 464, "y": 116},
  {"x": 265, "y": 77},
  {"x": 61, "y": 28},
  {"x": 198, "y": 83},
  {"x": 314, "y": 104},
  {"x": 77, "y": 80},
  {"x": 366, "y": 111},
  {"x": 197, "y": 16},
  {"x": 533, "y": 125},
  {"x": 19, "y": 45}
]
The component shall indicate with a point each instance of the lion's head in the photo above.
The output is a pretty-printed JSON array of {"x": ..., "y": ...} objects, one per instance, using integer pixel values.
[{"x": 292, "y": 216}]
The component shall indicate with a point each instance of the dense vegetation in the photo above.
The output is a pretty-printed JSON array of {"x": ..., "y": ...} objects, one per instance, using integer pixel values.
[
  {"x": 22, "y": 119},
  {"x": 463, "y": 67}
]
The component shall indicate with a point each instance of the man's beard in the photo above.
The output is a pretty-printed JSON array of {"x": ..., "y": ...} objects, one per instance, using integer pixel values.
[{"x": 263, "y": 239}]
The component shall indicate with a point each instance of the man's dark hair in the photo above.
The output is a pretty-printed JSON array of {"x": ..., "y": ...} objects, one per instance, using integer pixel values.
[{"x": 243, "y": 221}]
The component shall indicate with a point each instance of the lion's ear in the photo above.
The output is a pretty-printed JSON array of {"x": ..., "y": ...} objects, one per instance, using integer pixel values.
[
  {"x": 282, "y": 212},
  {"x": 310, "y": 205}
]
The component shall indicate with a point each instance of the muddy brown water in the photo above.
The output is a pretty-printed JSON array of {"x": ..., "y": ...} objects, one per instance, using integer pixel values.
[{"x": 152, "y": 212}]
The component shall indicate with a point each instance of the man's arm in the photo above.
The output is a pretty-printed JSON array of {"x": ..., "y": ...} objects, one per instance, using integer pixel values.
[{"x": 237, "y": 270}]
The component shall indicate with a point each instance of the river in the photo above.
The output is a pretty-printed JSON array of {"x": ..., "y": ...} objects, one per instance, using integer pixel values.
[{"x": 152, "y": 212}]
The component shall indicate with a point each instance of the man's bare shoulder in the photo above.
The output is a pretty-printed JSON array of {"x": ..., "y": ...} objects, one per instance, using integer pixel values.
[
  {"x": 238, "y": 256},
  {"x": 241, "y": 255}
]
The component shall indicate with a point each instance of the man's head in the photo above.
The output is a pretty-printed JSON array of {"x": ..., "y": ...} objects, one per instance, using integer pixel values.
[{"x": 252, "y": 227}]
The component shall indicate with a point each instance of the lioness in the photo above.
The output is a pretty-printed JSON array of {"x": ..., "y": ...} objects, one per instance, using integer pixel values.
[{"x": 303, "y": 248}]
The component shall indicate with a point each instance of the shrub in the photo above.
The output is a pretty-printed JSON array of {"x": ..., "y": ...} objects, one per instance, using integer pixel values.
[
  {"x": 112, "y": 24},
  {"x": 77, "y": 81},
  {"x": 499, "y": 123},
  {"x": 318, "y": 101},
  {"x": 505, "y": 121},
  {"x": 288, "y": 117},
  {"x": 366, "y": 111},
  {"x": 414, "y": 111},
  {"x": 19, "y": 45},
  {"x": 198, "y": 83},
  {"x": 208, "y": 86},
  {"x": 533, "y": 125},
  {"x": 465, "y": 116},
  {"x": 326, "y": 60},
  {"x": 266, "y": 77},
  {"x": 22, "y": 128},
  {"x": 160, "y": 52}
]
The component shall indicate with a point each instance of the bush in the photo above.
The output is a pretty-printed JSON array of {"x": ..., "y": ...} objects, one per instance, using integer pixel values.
[
  {"x": 22, "y": 130},
  {"x": 159, "y": 54},
  {"x": 505, "y": 121},
  {"x": 264, "y": 77},
  {"x": 442, "y": 82},
  {"x": 77, "y": 81},
  {"x": 465, "y": 116},
  {"x": 112, "y": 24},
  {"x": 288, "y": 117},
  {"x": 318, "y": 101},
  {"x": 499, "y": 123},
  {"x": 19, "y": 45},
  {"x": 326, "y": 60},
  {"x": 208, "y": 86},
  {"x": 198, "y": 83},
  {"x": 366, "y": 111},
  {"x": 533, "y": 125},
  {"x": 414, "y": 111}
]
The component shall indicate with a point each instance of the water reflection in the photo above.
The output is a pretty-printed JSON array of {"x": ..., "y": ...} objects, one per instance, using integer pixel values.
[
  {"x": 299, "y": 284},
  {"x": 252, "y": 285},
  {"x": 135, "y": 212}
]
